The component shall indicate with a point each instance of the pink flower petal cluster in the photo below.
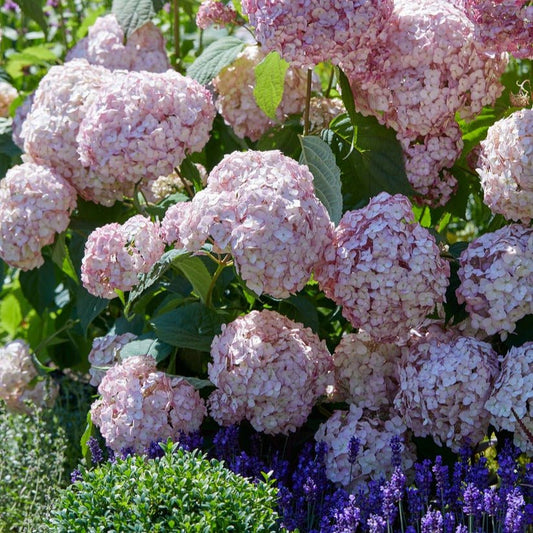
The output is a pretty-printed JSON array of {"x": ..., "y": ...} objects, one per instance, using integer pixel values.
[
  {"x": 140, "y": 404},
  {"x": 35, "y": 205},
  {"x": 213, "y": 12},
  {"x": 496, "y": 275},
  {"x": 8, "y": 93},
  {"x": 115, "y": 255},
  {"x": 19, "y": 379},
  {"x": 261, "y": 207},
  {"x": 503, "y": 25},
  {"x": 383, "y": 268},
  {"x": 513, "y": 389},
  {"x": 236, "y": 102},
  {"x": 104, "y": 46},
  {"x": 374, "y": 434},
  {"x": 307, "y": 32},
  {"x": 322, "y": 111},
  {"x": 506, "y": 166},
  {"x": 105, "y": 352},
  {"x": 141, "y": 127},
  {"x": 268, "y": 370},
  {"x": 366, "y": 372},
  {"x": 445, "y": 380}
]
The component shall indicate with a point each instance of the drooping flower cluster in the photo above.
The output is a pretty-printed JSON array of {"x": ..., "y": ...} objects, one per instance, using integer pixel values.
[
  {"x": 35, "y": 205},
  {"x": 306, "y": 32},
  {"x": 104, "y": 46},
  {"x": 513, "y": 390},
  {"x": 506, "y": 166},
  {"x": 236, "y": 102},
  {"x": 496, "y": 275},
  {"x": 383, "y": 268},
  {"x": 140, "y": 404},
  {"x": 268, "y": 370},
  {"x": 105, "y": 352},
  {"x": 261, "y": 206},
  {"x": 366, "y": 371},
  {"x": 116, "y": 254},
  {"x": 374, "y": 435},
  {"x": 8, "y": 93},
  {"x": 167, "y": 116},
  {"x": 445, "y": 380},
  {"x": 214, "y": 12},
  {"x": 19, "y": 379}
]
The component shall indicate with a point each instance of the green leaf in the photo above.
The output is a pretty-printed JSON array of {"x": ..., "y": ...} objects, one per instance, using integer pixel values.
[
  {"x": 146, "y": 344},
  {"x": 86, "y": 436},
  {"x": 34, "y": 10},
  {"x": 17, "y": 63},
  {"x": 347, "y": 100},
  {"x": 132, "y": 14},
  {"x": 285, "y": 137},
  {"x": 190, "y": 326},
  {"x": 214, "y": 58},
  {"x": 7, "y": 146},
  {"x": 317, "y": 155},
  {"x": 61, "y": 257},
  {"x": 269, "y": 83},
  {"x": 372, "y": 165},
  {"x": 196, "y": 273},
  {"x": 10, "y": 315},
  {"x": 88, "y": 307},
  {"x": 38, "y": 286}
]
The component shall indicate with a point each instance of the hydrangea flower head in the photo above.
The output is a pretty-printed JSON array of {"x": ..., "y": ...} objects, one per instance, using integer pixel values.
[
  {"x": 7, "y": 94},
  {"x": 140, "y": 404},
  {"x": 496, "y": 275},
  {"x": 35, "y": 205},
  {"x": 268, "y": 370},
  {"x": 116, "y": 254},
  {"x": 383, "y": 268},
  {"x": 445, "y": 380},
  {"x": 214, "y": 12},
  {"x": 506, "y": 166}
]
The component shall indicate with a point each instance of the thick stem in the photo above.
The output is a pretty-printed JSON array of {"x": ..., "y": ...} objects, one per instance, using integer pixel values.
[{"x": 308, "y": 101}]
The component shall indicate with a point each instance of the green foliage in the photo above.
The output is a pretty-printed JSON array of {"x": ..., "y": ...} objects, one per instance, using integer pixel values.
[
  {"x": 132, "y": 14},
  {"x": 269, "y": 83},
  {"x": 34, "y": 10},
  {"x": 181, "y": 491}
]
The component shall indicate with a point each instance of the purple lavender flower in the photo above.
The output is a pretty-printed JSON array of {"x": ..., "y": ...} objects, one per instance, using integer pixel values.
[
  {"x": 392, "y": 492},
  {"x": 461, "y": 528},
  {"x": 346, "y": 519},
  {"x": 396, "y": 448},
  {"x": 440, "y": 471},
  {"x": 449, "y": 522},
  {"x": 190, "y": 441},
  {"x": 514, "y": 516},
  {"x": 226, "y": 442},
  {"x": 507, "y": 467},
  {"x": 491, "y": 501},
  {"x": 376, "y": 524},
  {"x": 75, "y": 475},
  {"x": 423, "y": 479},
  {"x": 432, "y": 522},
  {"x": 126, "y": 452},
  {"x": 310, "y": 490},
  {"x": 353, "y": 449},
  {"x": 154, "y": 450},
  {"x": 472, "y": 500},
  {"x": 416, "y": 504},
  {"x": 97, "y": 455}
]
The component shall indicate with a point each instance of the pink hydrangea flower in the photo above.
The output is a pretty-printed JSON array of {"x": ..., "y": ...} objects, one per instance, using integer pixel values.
[
  {"x": 384, "y": 269},
  {"x": 35, "y": 205},
  {"x": 268, "y": 370},
  {"x": 105, "y": 352},
  {"x": 213, "y": 12},
  {"x": 115, "y": 255},
  {"x": 307, "y": 32},
  {"x": 496, "y": 275},
  {"x": 140, "y": 404},
  {"x": 19, "y": 379},
  {"x": 104, "y": 46},
  {"x": 8, "y": 93},
  {"x": 236, "y": 102},
  {"x": 506, "y": 166},
  {"x": 445, "y": 380},
  {"x": 513, "y": 389},
  {"x": 374, "y": 457},
  {"x": 168, "y": 116}
]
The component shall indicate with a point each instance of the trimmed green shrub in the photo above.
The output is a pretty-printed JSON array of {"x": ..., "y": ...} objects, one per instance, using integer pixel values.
[{"x": 181, "y": 491}]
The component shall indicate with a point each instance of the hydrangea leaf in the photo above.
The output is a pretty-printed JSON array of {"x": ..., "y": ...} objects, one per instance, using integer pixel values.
[
  {"x": 146, "y": 345},
  {"x": 88, "y": 307},
  {"x": 269, "y": 83},
  {"x": 196, "y": 272},
  {"x": 38, "y": 286},
  {"x": 132, "y": 14},
  {"x": 214, "y": 58},
  {"x": 317, "y": 155},
  {"x": 34, "y": 10}
]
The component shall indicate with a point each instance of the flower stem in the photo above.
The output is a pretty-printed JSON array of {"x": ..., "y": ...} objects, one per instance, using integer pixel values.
[
  {"x": 308, "y": 101},
  {"x": 222, "y": 264}
]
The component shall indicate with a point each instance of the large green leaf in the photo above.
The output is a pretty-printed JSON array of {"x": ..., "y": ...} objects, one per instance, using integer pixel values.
[
  {"x": 34, "y": 10},
  {"x": 132, "y": 14},
  {"x": 146, "y": 345},
  {"x": 196, "y": 272},
  {"x": 38, "y": 286},
  {"x": 88, "y": 307},
  {"x": 214, "y": 58},
  {"x": 269, "y": 83},
  {"x": 10, "y": 315},
  {"x": 317, "y": 155},
  {"x": 191, "y": 326}
]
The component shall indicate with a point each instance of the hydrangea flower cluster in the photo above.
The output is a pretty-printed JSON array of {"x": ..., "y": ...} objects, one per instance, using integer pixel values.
[
  {"x": 506, "y": 166},
  {"x": 214, "y": 12},
  {"x": 167, "y": 116},
  {"x": 445, "y": 380},
  {"x": 35, "y": 205},
  {"x": 19, "y": 379},
  {"x": 322, "y": 111},
  {"x": 383, "y": 268},
  {"x": 105, "y": 352},
  {"x": 374, "y": 435},
  {"x": 496, "y": 275},
  {"x": 513, "y": 389},
  {"x": 307, "y": 32},
  {"x": 7, "y": 94},
  {"x": 116, "y": 254},
  {"x": 366, "y": 372},
  {"x": 268, "y": 370},
  {"x": 104, "y": 46},
  {"x": 261, "y": 206},
  {"x": 140, "y": 404},
  {"x": 236, "y": 102}
]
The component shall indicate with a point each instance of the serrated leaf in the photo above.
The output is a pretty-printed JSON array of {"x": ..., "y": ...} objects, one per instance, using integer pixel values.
[
  {"x": 34, "y": 10},
  {"x": 269, "y": 83},
  {"x": 146, "y": 345},
  {"x": 214, "y": 58},
  {"x": 317, "y": 155},
  {"x": 132, "y": 14}
]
